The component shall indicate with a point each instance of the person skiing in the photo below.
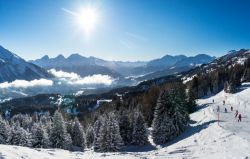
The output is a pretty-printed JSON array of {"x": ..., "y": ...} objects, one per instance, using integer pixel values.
[
  {"x": 218, "y": 108},
  {"x": 225, "y": 110},
  {"x": 239, "y": 118},
  {"x": 232, "y": 108},
  {"x": 213, "y": 100},
  {"x": 236, "y": 113},
  {"x": 223, "y": 102}
]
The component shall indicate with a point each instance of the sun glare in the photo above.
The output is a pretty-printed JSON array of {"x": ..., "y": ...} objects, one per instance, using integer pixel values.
[{"x": 87, "y": 19}]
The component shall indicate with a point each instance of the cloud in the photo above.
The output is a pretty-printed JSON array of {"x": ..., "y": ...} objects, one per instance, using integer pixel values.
[
  {"x": 26, "y": 84},
  {"x": 69, "y": 11},
  {"x": 75, "y": 79},
  {"x": 62, "y": 74},
  {"x": 94, "y": 79}
]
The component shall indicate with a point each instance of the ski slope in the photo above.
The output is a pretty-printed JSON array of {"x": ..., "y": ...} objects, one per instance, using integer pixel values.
[{"x": 204, "y": 138}]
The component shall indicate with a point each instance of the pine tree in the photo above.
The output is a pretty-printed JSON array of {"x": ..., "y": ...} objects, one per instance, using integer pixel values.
[
  {"x": 78, "y": 136},
  {"x": 58, "y": 136},
  {"x": 125, "y": 126},
  {"x": 25, "y": 121},
  {"x": 40, "y": 137},
  {"x": 170, "y": 117},
  {"x": 4, "y": 131},
  {"x": 68, "y": 142},
  {"x": 19, "y": 136},
  {"x": 109, "y": 139},
  {"x": 97, "y": 127},
  {"x": 139, "y": 136},
  {"x": 191, "y": 104},
  {"x": 90, "y": 136}
]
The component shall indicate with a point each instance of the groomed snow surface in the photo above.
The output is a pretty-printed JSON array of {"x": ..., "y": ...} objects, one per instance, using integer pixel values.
[{"x": 205, "y": 138}]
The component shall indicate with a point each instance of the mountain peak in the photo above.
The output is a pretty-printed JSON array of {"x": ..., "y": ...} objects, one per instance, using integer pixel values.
[
  {"x": 45, "y": 57},
  {"x": 75, "y": 55},
  {"x": 60, "y": 56}
]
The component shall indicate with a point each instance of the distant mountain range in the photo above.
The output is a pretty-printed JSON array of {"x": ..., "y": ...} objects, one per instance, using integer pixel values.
[
  {"x": 140, "y": 70},
  {"x": 13, "y": 67}
]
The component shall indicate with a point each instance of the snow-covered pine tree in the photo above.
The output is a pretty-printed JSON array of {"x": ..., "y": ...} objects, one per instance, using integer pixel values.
[
  {"x": 19, "y": 136},
  {"x": 68, "y": 142},
  {"x": 4, "y": 131},
  {"x": 58, "y": 136},
  {"x": 170, "y": 117},
  {"x": 109, "y": 139},
  {"x": 126, "y": 127},
  {"x": 40, "y": 137},
  {"x": 69, "y": 127},
  {"x": 139, "y": 136},
  {"x": 97, "y": 126},
  {"x": 90, "y": 136},
  {"x": 46, "y": 122},
  {"x": 44, "y": 119},
  {"x": 25, "y": 121},
  {"x": 78, "y": 135}
]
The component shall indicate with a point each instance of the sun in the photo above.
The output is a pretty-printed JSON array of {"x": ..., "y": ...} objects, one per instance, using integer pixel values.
[{"x": 87, "y": 19}]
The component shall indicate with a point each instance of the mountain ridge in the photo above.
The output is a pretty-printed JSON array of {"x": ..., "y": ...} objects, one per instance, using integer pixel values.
[
  {"x": 13, "y": 67},
  {"x": 124, "y": 68}
]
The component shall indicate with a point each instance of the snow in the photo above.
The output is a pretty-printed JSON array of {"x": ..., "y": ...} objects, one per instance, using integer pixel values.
[
  {"x": 98, "y": 102},
  {"x": 241, "y": 61},
  {"x": 79, "y": 93},
  {"x": 187, "y": 79},
  {"x": 204, "y": 138}
]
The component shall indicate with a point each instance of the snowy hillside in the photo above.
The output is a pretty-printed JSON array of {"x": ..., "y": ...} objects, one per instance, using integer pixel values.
[{"x": 205, "y": 138}]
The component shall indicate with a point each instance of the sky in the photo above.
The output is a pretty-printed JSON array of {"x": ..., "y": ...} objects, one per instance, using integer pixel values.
[{"x": 127, "y": 30}]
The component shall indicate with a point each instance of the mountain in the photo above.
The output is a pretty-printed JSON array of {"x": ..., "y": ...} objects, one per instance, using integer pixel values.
[
  {"x": 227, "y": 61},
  {"x": 13, "y": 67},
  {"x": 166, "y": 61},
  {"x": 91, "y": 65},
  {"x": 194, "y": 60},
  {"x": 87, "y": 65},
  {"x": 178, "y": 64}
]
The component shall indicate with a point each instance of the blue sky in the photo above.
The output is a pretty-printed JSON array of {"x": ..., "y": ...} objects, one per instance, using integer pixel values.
[{"x": 127, "y": 29}]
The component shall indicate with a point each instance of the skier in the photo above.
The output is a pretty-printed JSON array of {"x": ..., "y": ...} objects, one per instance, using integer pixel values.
[
  {"x": 239, "y": 120},
  {"x": 232, "y": 108},
  {"x": 236, "y": 113},
  {"x": 225, "y": 110},
  {"x": 213, "y": 100},
  {"x": 218, "y": 108},
  {"x": 223, "y": 102}
]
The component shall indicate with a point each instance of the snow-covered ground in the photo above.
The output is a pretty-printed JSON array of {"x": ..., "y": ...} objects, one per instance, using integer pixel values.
[{"x": 205, "y": 138}]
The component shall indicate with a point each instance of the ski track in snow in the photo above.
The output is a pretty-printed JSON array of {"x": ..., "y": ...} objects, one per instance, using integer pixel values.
[{"x": 204, "y": 138}]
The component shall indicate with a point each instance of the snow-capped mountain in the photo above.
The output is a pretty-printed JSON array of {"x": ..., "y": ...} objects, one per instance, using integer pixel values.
[
  {"x": 176, "y": 64},
  {"x": 91, "y": 65},
  {"x": 81, "y": 65},
  {"x": 13, "y": 67},
  {"x": 230, "y": 59},
  {"x": 194, "y": 60},
  {"x": 180, "y": 61},
  {"x": 166, "y": 61}
]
